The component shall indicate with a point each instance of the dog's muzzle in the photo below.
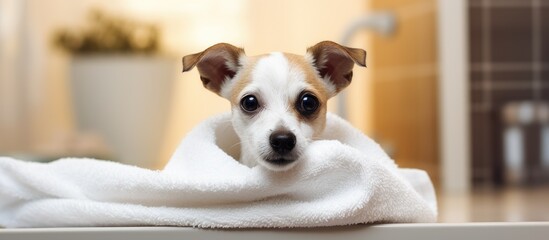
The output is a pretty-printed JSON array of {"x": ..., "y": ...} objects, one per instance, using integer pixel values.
[{"x": 282, "y": 144}]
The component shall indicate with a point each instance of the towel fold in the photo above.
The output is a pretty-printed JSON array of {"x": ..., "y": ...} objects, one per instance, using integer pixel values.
[{"x": 344, "y": 179}]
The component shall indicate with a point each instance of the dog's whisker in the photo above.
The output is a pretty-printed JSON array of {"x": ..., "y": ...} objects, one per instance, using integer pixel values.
[
  {"x": 316, "y": 139},
  {"x": 235, "y": 145}
]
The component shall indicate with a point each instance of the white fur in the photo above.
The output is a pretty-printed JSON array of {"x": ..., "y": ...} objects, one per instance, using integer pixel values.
[{"x": 277, "y": 85}]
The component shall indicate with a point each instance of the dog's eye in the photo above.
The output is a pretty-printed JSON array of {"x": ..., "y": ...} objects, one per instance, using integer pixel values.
[
  {"x": 307, "y": 104},
  {"x": 249, "y": 103}
]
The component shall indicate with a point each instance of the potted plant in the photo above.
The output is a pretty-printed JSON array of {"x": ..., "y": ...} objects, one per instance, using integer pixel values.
[{"x": 120, "y": 85}]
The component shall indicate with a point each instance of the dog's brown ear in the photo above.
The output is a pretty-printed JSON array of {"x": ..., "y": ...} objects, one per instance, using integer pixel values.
[
  {"x": 216, "y": 64},
  {"x": 335, "y": 62}
]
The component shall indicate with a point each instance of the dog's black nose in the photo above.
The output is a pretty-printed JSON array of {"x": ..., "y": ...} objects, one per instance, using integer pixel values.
[{"x": 282, "y": 142}]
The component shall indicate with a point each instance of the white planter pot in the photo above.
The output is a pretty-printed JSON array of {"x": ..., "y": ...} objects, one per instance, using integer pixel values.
[{"x": 124, "y": 99}]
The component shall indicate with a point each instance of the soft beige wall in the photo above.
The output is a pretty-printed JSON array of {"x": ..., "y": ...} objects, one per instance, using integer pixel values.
[
  {"x": 187, "y": 25},
  {"x": 259, "y": 26},
  {"x": 10, "y": 119},
  {"x": 47, "y": 115}
]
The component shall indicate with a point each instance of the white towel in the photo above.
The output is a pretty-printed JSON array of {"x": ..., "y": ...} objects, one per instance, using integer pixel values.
[{"x": 345, "y": 179}]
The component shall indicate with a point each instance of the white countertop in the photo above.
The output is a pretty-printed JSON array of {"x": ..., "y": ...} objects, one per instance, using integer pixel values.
[{"x": 447, "y": 231}]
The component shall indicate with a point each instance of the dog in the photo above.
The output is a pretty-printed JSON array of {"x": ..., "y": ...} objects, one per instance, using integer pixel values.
[{"x": 278, "y": 100}]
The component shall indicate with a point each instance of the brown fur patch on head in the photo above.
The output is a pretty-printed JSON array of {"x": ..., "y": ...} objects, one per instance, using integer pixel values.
[
  {"x": 244, "y": 79},
  {"x": 318, "y": 88},
  {"x": 311, "y": 76}
]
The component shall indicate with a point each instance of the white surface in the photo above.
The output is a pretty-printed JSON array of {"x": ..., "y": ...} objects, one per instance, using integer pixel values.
[
  {"x": 453, "y": 95},
  {"x": 483, "y": 231}
]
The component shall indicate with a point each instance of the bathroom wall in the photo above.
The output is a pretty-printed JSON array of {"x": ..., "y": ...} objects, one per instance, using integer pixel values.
[
  {"x": 35, "y": 105},
  {"x": 509, "y": 81},
  {"x": 404, "y": 75}
]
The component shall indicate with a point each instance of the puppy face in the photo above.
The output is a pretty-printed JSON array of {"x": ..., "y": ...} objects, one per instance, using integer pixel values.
[
  {"x": 278, "y": 100},
  {"x": 278, "y": 107}
]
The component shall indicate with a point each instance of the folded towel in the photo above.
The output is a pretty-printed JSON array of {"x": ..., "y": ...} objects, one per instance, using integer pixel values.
[{"x": 345, "y": 179}]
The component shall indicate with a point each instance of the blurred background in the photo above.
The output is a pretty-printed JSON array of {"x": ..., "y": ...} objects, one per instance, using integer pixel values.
[{"x": 457, "y": 88}]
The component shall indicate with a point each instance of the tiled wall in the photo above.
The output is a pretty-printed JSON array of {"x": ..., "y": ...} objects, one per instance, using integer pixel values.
[{"x": 509, "y": 62}]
